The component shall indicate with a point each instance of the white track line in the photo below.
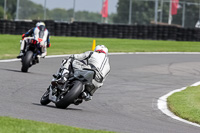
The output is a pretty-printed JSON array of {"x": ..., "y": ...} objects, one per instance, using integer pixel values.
[
  {"x": 10, "y": 60},
  {"x": 121, "y": 53},
  {"x": 162, "y": 105},
  {"x": 154, "y": 53}
]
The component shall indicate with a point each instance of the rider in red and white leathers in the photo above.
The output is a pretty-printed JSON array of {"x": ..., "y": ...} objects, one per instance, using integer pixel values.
[
  {"x": 96, "y": 60},
  {"x": 39, "y": 33}
]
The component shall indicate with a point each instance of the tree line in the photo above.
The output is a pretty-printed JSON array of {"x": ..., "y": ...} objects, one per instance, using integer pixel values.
[
  {"x": 143, "y": 12},
  {"x": 31, "y": 10}
]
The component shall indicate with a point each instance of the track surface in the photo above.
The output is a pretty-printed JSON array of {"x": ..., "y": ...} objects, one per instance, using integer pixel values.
[{"x": 127, "y": 102}]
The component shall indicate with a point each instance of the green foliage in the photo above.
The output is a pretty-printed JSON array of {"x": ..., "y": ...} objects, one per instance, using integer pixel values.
[
  {"x": 30, "y": 10},
  {"x": 191, "y": 13},
  {"x": 70, "y": 45},
  {"x": 85, "y": 16},
  {"x": 142, "y": 12},
  {"x": 122, "y": 12},
  {"x": 60, "y": 14},
  {"x": 13, "y": 125},
  {"x": 186, "y": 104},
  {"x": 1, "y": 12},
  {"x": 66, "y": 15},
  {"x": 10, "y": 10}
]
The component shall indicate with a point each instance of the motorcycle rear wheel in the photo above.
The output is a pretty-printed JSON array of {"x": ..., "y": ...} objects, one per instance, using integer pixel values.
[
  {"x": 26, "y": 61},
  {"x": 69, "y": 98}
]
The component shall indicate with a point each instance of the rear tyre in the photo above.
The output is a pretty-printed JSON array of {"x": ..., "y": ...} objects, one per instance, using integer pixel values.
[
  {"x": 26, "y": 61},
  {"x": 45, "y": 98},
  {"x": 69, "y": 98}
]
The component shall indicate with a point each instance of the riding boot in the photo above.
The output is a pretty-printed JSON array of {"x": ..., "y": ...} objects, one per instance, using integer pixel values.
[
  {"x": 61, "y": 77},
  {"x": 20, "y": 54},
  {"x": 22, "y": 48},
  {"x": 78, "y": 101},
  {"x": 86, "y": 96}
]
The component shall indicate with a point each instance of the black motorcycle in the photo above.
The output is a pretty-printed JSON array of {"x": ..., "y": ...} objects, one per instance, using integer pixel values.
[
  {"x": 71, "y": 91},
  {"x": 30, "y": 57}
]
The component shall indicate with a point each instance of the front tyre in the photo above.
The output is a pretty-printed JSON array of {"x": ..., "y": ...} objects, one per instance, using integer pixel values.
[
  {"x": 65, "y": 100},
  {"x": 26, "y": 61},
  {"x": 45, "y": 98}
]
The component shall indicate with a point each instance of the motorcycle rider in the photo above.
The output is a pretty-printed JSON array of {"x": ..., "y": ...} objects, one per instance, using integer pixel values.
[
  {"x": 96, "y": 60},
  {"x": 39, "y": 33}
]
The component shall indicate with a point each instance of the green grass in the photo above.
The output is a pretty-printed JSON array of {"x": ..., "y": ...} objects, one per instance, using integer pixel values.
[
  {"x": 13, "y": 125},
  {"x": 9, "y": 45},
  {"x": 186, "y": 104}
]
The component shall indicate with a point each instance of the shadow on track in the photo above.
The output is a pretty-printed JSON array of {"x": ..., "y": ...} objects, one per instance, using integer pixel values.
[
  {"x": 11, "y": 70},
  {"x": 51, "y": 106},
  {"x": 19, "y": 71}
]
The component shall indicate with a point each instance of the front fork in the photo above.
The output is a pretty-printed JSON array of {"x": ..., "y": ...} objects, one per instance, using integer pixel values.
[
  {"x": 60, "y": 90},
  {"x": 52, "y": 97}
]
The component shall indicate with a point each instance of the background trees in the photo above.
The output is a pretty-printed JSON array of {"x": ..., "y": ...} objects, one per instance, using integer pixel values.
[
  {"x": 11, "y": 8},
  {"x": 30, "y": 10},
  {"x": 142, "y": 12}
]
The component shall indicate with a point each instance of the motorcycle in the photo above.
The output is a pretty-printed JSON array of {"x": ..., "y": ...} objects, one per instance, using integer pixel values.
[
  {"x": 71, "y": 91},
  {"x": 31, "y": 52}
]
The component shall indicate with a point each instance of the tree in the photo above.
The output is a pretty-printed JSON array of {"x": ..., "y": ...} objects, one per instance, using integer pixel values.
[
  {"x": 191, "y": 13},
  {"x": 142, "y": 12},
  {"x": 88, "y": 16},
  {"x": 1, "y": 12},
  {"x": 28, "y": 9},
  {"x": 11, "y": 8},
  {"x": 60, "y": 14}
]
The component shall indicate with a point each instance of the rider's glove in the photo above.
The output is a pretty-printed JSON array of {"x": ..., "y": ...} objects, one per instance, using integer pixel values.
[
  {"x": 71, "y": 56},
  {"x": 23, "y": 36},
  {"x": 48, "y": 45}
]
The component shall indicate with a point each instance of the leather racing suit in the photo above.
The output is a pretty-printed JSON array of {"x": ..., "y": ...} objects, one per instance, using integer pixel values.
[
  {"x": 90, "y": 60},
  {"x": 36, "y": 33}
]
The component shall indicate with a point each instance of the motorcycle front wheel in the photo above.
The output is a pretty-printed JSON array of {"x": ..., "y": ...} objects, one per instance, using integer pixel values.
[
  {"x": 45, "y": 98},
  {"x": 26, "y": 61},
  {"x": 65, "y": 100}
]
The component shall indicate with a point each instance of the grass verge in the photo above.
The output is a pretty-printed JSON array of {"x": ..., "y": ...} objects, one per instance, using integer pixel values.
[
  {"x": 9, "y": 45},
  {"x": 13, "y": 125},
  {"x": 186, "y": 104}
]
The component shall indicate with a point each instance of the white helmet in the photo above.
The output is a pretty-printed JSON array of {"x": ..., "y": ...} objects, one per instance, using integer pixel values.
[
  {"x": 39, "y": 24},
  {"x": 101, "y": 49}
]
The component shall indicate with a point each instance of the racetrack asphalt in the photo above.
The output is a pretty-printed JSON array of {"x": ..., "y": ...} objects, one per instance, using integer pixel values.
[{"x": 127, "y": 103}]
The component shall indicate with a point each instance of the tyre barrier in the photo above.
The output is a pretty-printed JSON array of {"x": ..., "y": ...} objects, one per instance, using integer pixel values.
[{"x": 92, "y": 29}]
